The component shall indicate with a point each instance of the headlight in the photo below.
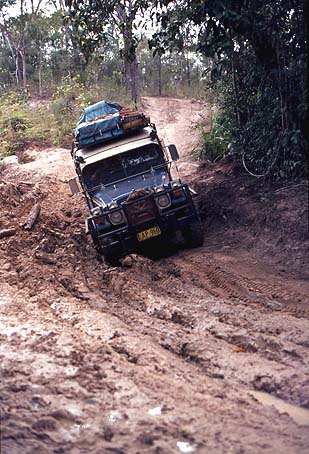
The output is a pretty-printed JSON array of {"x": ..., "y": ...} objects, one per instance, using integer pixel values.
[
  {"x": 159, "y": 188},
  {"x": 163, "y": 201},
  {"x": 96, "y": 211},
  {"x": 112, "y": 205},
  {"x": 117, "y": 217},
  {"x": 175, "y": 183}
]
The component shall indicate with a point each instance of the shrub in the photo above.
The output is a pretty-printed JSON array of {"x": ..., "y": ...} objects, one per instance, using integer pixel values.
[{"x": 214, "y": 142}]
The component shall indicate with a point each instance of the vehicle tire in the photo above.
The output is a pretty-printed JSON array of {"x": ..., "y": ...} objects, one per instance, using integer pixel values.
[
  {"x": 111, "y": 260},
  {"x": 193, "y": 235},
  {"x": 99, "y": 257}
]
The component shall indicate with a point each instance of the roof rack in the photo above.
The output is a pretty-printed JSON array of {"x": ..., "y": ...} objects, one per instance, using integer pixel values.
[{"x": 104, "y": 125}]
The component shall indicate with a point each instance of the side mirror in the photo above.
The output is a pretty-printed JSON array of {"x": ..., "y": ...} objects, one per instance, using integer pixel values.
[
  {"x": 173, "y": 152},
  {"x": 74, "y": 187}
]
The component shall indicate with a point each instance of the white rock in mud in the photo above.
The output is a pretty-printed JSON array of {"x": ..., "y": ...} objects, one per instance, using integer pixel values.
[
  {"x": 10, "y": 160},
  {"x": 184, "y": 446},
  {"x": 155, "y": 411}
]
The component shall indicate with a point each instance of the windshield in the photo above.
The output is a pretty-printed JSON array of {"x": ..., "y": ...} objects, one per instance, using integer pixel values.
[{"x": 123, "y": 166}]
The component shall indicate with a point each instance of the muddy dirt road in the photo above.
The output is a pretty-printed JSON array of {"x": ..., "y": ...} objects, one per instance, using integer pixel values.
[{"x": 202, "y": 351}]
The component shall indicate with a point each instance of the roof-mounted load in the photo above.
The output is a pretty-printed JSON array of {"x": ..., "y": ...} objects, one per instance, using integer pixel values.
[{"x": 105, "y": 120}]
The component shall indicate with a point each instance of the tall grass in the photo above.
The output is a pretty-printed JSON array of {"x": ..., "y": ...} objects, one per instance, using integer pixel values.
[{"x": 26, "y": 120}]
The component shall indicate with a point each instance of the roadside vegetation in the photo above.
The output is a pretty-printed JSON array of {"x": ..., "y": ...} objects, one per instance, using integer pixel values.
[
  {"x": 50, "y": 70},
  {"x": 247, "y": 58},
  {"x": 28, "y": 120},
  {"x": 257, "y": 54}
]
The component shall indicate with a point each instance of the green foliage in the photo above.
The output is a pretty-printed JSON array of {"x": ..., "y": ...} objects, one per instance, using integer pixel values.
[
  {"x": 175, "y": 73},
  {"x": 214, "y": 142},
  {"x": 266, "y": 117},
  {"x": 70, "y": 98},
  {"x": 13, "y": 123},
  {"x": 27, "y": 121},
  {"x": 72, "y": 95},
  {"x": 93, "y": 44},
  {"x": 257, "y": 52}
]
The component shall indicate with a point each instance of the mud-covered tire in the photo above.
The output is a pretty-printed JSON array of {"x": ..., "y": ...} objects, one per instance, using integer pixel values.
[
  {"x": 193, "y": 235},
  {"x": 111, "y": 260}
]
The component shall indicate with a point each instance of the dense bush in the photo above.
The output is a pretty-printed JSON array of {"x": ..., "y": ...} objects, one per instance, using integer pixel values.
[
  {"x": 214, "y": 143},
  {"x": 258, "y": 55}
]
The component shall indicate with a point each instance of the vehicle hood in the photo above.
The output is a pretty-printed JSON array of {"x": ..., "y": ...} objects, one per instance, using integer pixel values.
[{"x": 121, "y": 190}]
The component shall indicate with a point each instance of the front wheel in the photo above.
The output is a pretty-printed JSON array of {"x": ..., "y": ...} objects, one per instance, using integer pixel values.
[
  {"x": 111, "y": 260},
  {"x": 193, "y": 235}
]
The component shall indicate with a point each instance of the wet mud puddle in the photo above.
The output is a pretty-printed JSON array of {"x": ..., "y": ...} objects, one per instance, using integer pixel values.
[{"x": 298, "y": 414}]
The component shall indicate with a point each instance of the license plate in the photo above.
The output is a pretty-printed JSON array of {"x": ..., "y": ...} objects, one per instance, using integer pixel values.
[{"x": 149, "y": 233}]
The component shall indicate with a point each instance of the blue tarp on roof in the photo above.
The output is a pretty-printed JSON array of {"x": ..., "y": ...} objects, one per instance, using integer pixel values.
[{"x": 98, "y": 122}]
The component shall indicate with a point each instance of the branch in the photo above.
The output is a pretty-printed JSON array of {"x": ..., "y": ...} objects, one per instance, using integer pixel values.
[
  {"x": 32, "y": 217},
  {"x": 6, "y": 233},
  {"x": 8, "y": 36},
  {"x": 38, "y": 7}
]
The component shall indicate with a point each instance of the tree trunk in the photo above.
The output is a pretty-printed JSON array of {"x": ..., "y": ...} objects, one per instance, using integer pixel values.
[
  {"x": 14, "y": 51},
  {"x": 159, "y": 66},
  {"x": 22, "y": 48},
  {"x": 127, "y": 75},
  {"x": 17, "y": 72},
  {"x": 126, "y": 18},
  {"x": 188, "y": 69},
  {"x": 23, "y": 59},
  {"x": 71, "y": 42},
  {"x": 6, "y": 233},
  {"x": 135, "y": 85},
  {"x": 40, "y": 73}
]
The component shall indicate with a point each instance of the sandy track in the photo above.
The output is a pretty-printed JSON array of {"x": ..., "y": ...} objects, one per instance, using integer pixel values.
[{"x": 181, "y": 354}]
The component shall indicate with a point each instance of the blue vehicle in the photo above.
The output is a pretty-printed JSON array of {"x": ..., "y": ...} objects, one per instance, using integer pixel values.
[{"x": 132, "y": 194}]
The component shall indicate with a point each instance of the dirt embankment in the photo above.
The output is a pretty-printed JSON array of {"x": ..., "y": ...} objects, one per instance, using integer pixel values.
[
  {"x": 268, "y": 219},
  {"x": 201, "y": 351}
]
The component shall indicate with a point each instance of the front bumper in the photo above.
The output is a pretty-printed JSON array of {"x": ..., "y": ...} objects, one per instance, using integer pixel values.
[{"x": 124, "y": 240}]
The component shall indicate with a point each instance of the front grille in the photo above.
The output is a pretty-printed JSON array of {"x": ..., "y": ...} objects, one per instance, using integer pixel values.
[{"x": 140, "y": 211}]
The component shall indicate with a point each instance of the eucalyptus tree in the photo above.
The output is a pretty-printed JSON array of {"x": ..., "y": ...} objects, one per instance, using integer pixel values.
[
  {"x": 8, "y": 37},
  {"x": 15, "y": 31},
  {"x": 94, "y": 18}
]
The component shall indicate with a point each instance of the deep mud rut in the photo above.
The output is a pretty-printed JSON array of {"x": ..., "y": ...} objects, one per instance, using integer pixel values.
[{"x": 200, "y": 351}]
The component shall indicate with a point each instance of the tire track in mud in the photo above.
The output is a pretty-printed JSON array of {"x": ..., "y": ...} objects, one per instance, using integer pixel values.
[
  {"x": 186, "y": 332},
  {"x": 207, "y": 331},
  {"x": 219, "y": 281},
  {"x": 91, "y": 379},
  {"x": 187, "y": 304}
]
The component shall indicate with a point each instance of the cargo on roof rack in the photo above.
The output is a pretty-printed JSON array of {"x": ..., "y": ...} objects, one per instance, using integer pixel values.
[
  {"x": 106, "y": 120},
  {"x": 130, "y": 183}
]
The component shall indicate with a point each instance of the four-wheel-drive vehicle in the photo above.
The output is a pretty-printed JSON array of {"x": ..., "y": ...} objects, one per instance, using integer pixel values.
[{"x": 131, "y": 194}]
